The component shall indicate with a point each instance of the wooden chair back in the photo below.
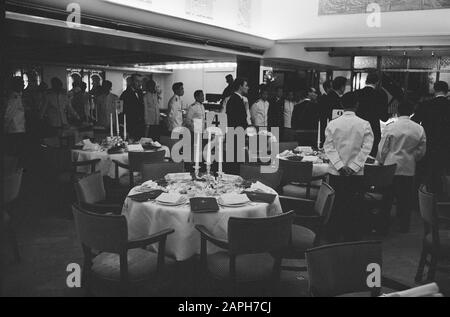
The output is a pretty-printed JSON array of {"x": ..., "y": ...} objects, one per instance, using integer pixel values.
[{"x": 342, "y": 268}]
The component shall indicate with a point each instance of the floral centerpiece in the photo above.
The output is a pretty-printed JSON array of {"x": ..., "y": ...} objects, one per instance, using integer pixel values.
[{"x": 114, "y": 144}]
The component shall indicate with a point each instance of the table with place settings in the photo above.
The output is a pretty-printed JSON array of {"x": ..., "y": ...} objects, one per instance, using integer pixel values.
[
  {"x": 146, "y": 218},
  {"x": 106, "y": 165},
  {"x": 321, "y": 165}
]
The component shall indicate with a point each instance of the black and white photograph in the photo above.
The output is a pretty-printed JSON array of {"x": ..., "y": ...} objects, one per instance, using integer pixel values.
[{"x": 225, "y": 154}]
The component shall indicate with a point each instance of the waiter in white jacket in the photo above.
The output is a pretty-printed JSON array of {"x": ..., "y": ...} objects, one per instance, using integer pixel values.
[
  {"x": 349, "y": 141},
  {"x": 404, "y": 143},
  {"x": 176, "y": 107}
]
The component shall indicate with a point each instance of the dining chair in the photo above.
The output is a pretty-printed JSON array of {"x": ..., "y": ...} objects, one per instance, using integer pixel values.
[
  {"x": 157, "y": 171},
  {"x": 64, "y": 172},
  {"x": 252, "y": 251},
  {"x": 92, "y": 197},
  {"x": 12, "y": 183},
  {"x": 59, "y": 163},
  {"x": 117, "y": 260},
  {"x": 253, "y": 173},
  {"x": 168, "y": 141},
  {"x": 344, "y": 270},
  {"x": 134, "y": 166},
  {"x": 298, "y": 180},
  {"x": 287, "y": 146},
  {"x": 377, "y": 203},
  {"x": 436, "y": 242},
  {"x": 310, "y": 221}
]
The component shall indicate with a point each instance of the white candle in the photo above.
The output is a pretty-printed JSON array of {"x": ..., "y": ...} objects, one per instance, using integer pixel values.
[
  {"x": 198, "y": 137},
  {"x": 117, "y": 123},
  {"x": 111, "y": 125},
  {"x": 318, "y": 136},
  {"x": 208, "y": 154},
  {"x": 125, "y": 127},
  {"x": 220, "y": 138}
]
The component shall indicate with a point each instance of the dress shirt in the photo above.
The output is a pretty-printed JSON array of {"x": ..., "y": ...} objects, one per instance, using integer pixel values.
[
  {"x": 349, "y": 140},
  {"x": 56, "y": 106},
  {"x": 287, "y": 113},
  {"x": 403, "y": 143},
  {"x": 151, "y": 106},
  {"x": 196, "y": 111},
  {"x": 15, "y": 114},
  {"x": 259, "y": 112},
  {"x": 107, "y": 105},
  {"x": 176, "y": 107}
]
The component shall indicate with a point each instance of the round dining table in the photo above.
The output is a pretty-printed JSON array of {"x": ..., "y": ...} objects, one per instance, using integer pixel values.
[
  {"x": 146, "y": 218},
  {"x": 106, "y": 165}
]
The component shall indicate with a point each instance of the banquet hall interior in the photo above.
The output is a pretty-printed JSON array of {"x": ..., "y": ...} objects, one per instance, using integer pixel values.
[{"x": 121, "y": 177}]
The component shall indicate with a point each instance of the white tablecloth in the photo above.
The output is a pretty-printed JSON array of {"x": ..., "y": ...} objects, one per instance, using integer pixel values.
[
  {"x": 106, "y": 165},
  {"x": 149, "y": 218}
]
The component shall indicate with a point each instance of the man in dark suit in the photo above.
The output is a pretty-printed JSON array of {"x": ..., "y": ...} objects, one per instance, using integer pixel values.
[
  {"x": 133, "y": 107},
  {"x": 276, "y": 110},
  {"x": 237, "y": 114},
  {"x": 373, "y": 107},
  {"x": 237, "y": 117},
  {"x": 229, "y": 89},
  {"x": 306, "y": 113},
  {"x": 331, "y": 102},
  {"x": 434, "y": 116}
]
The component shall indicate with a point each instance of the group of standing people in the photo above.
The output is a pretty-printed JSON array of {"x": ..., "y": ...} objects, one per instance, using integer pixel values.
[{"x": 418, "y": 135}]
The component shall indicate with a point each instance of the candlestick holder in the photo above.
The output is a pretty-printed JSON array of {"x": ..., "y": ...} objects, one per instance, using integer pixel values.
[{"x": 197, "y": 172}]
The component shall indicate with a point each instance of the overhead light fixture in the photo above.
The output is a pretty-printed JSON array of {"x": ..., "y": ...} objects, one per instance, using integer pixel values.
[{"x": 194, "y": 66}]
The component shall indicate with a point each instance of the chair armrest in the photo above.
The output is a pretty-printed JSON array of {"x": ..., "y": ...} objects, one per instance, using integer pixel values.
[
  {"x": 296, "y": 204},
  {"x": 146, "y": 241},
  {"x": 318, "y": 178},
  {"x": 206, "y": 234},
  {"x": 121, "y": 165},
  {"x": 91, "y": 163},
  {"x": 115, "y": 209},
  {"x": 85, "y": 163}
]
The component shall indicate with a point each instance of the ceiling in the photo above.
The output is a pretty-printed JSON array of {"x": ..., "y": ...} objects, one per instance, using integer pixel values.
[
  {"x": 419, "y": 51},
  {"x": 40, "y": 42}
]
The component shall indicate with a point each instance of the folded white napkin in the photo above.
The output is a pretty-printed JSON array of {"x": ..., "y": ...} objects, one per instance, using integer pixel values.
[
  {"x": 231, "y": 178},
  {"x": 135, "y": 148},
  {"x": 145, "y": 141},
  {"x": 429, "y": 290},
  {"x": 150, "y": 184},
  {"x": 286, "y": 153},
  {"x": 178, "y": 177},
  {"x": 89, "y": 146},
  {"x": 260, "y": 187},
  {"x": 169, "y": 198},
  {"x": 234, "y": 199}
]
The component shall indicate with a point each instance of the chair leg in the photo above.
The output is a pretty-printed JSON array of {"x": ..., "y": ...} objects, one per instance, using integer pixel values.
[
  {"x": 422, "y": 263},
  {"x": 433, "y": 267}
]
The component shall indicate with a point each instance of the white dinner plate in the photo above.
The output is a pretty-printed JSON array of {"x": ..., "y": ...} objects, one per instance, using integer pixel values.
[
  {"x": 183, "y": 201},
  {"x": 221, "y": 203}
]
